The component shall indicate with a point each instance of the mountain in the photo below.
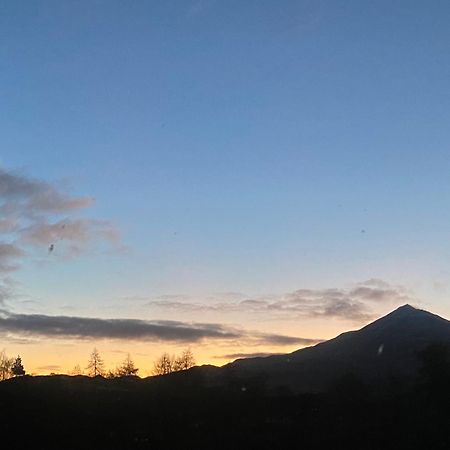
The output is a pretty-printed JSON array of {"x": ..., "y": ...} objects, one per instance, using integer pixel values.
[{"x": 384, "y": 351}]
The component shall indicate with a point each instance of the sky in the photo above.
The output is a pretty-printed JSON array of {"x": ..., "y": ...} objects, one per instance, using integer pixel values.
[{"x": 234, "y": 177}]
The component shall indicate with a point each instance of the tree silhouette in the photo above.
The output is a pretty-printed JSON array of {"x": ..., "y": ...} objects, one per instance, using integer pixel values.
[
  {"x": 95, "y": 365},
  {"x": 5, "y": 366},
  {"x": 163, "y": 365},
  {"x": 185, "y": 361},
  {"x": 111, "y": 374},
  {"x": 127, "y": 368},
  {"x": 76, "y": 370},
  {"x": 17, "y": 367},
  {"x": 166, "y": 364}
]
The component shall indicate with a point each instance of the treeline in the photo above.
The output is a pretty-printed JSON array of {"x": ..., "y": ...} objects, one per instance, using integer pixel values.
[
  {"x": 165, "y": 364},
  {"x": 10, "y": 367}
]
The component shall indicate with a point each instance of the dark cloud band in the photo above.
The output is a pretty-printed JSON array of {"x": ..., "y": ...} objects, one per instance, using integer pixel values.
[{"x": 132, "y": 329}]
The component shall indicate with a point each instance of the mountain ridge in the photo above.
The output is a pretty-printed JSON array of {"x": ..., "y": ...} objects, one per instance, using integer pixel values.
[{"x": 381, "y": 351}]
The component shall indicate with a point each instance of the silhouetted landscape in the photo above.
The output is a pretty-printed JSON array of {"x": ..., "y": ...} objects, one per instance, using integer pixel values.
[{"x": 386, "y": 386}]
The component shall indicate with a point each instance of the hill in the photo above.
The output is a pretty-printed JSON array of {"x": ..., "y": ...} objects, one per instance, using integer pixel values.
[{"x": 382, "y": 352}]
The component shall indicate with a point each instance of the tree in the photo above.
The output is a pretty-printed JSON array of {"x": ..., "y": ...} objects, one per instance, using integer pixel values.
[
  {"x": 5, "y": 366},
  {"x": 166, "y": 364},
  {"x": 111, "y": 374},
  {"x": 127, "y": 368},
  {"x": 76, "y": 370},
  {"x": 17, "y": 367},
  {"x": 163, "y": 365},
  {"x": 185, "y": 360},
  {"x": 95, "y": 365}
]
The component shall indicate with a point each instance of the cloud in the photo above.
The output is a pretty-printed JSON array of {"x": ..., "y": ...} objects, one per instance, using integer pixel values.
[
  {"x": 25, "y": 196},
  {"x": 7, "y": 286},
  {"x": 246, "y": 355},
  {"x": 31, "y": 213},
  {"x": 123, "y": 352},
  {"x": 280, "y": 339},
  {"x": 4, "y": 294},
  {"x": 10, "y": 253},
  {"x": 8, "y": 225},
  {"x": 74, "y": 236},
  {"x": 51, "y": 367},
  {"x": 355, "y": 303},
  {"x": 38, "y": 325},
  {"x": 80, "y": 327}
]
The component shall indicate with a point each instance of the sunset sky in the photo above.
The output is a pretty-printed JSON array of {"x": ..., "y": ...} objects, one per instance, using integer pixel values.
[{"x": 237, "y": 177}]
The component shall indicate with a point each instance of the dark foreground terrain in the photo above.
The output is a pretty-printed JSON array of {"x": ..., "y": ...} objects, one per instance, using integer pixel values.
[
  {"x": 386, "y": 386},
  {"x": 80, "y": 413}
]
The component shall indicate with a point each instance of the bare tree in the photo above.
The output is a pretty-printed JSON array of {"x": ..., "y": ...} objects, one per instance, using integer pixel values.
[
  {"x": 111, "y": 374},
  {"x": 166, "y": 364},
  {"x": 5, "y": 366},
  {"x": 17, "y": 367},
  {"x": 185, "y": 360},
  {"x": 127, "y": 368},
  {"x": 76, "y": 370},
  {"x": 163, "y": 365},
  {"x": 95, "y": 365}
]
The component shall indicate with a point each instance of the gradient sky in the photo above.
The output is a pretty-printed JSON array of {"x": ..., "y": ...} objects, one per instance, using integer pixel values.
[{"x": 261, "y": 168}]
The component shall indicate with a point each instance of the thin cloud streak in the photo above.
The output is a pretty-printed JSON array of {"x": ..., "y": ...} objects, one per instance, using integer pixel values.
[
  {"x": 235, "y": 356},
  {"x": 51, "y": 367}
]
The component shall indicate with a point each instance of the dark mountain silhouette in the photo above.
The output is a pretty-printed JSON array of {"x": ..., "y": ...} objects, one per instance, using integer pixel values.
[{"x": 382, "y": 352}]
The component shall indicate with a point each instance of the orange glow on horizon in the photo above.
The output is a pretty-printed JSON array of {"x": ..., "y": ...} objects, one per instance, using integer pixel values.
[{"x": 45, "y": 356}]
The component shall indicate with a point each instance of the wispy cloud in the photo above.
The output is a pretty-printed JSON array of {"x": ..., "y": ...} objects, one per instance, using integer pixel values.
[
  {"x": 355, "y": 303},
  {"x": 74, "y": 235},
  {"x": 24, "y": 196},
  {"x": 9, "y": 254},
  {"x": 246, "y": 355},
  {"x": 37, "y": 325},
  {"x": 37, "y": 216},
  {"x": 7, "y": 286},
  {"x": 50, "y": 367},
  {"x": 280, "y": 339}
]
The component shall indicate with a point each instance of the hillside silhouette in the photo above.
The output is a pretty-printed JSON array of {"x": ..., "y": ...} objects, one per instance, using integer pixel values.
[
  {"x": 385, "y": 386},
  {"x": 379, "y": 353}
]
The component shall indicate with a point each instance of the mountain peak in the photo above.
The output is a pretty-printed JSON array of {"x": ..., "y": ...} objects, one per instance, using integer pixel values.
[
  {"x": 406, "y": 307},
  {"x": 405, "y": 315},
  {"x": 407, "y": 310},
  {"x": 407, "y": 321}
]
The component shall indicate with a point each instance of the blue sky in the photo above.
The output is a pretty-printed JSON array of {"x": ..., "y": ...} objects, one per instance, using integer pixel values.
[{"x": 257, "y": 147}]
